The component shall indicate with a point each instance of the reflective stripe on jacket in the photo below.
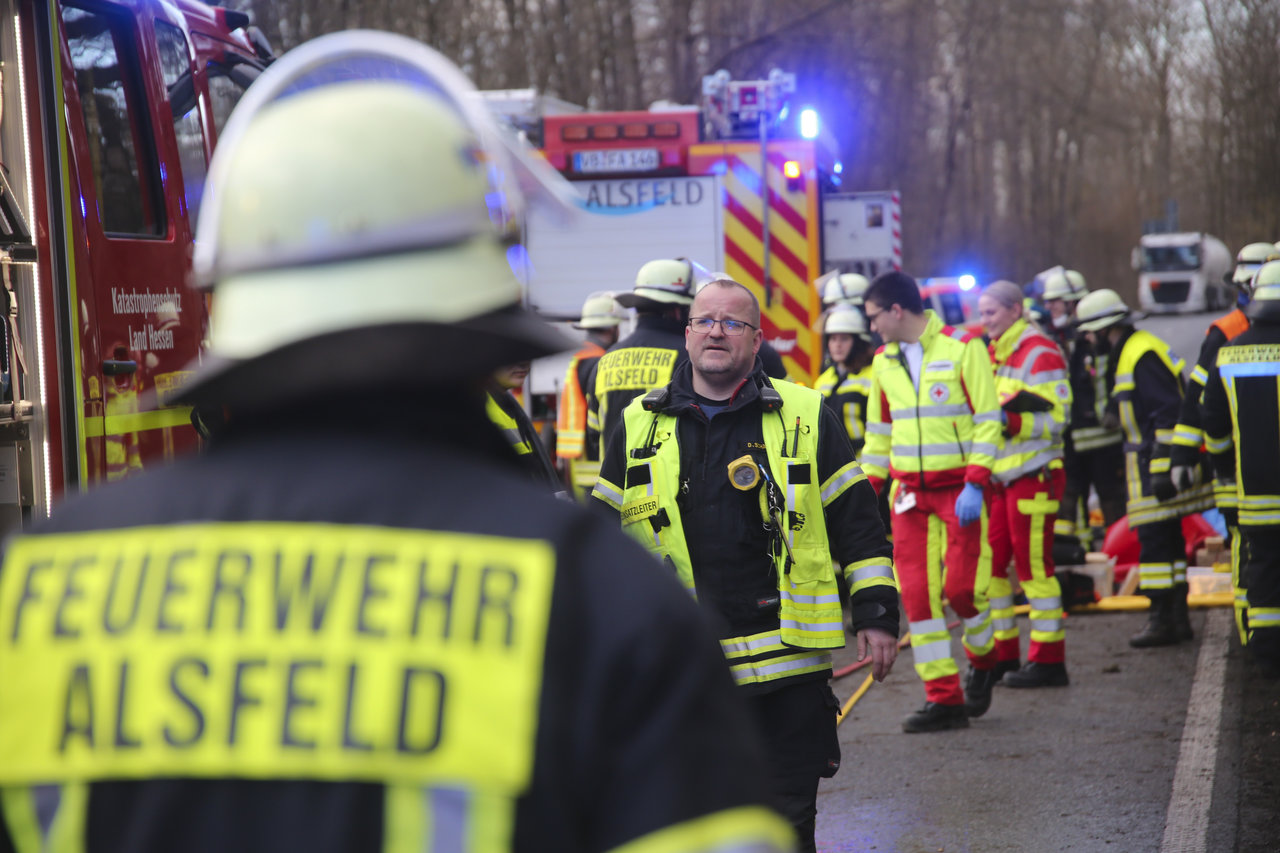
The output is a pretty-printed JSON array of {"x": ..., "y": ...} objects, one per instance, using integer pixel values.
[
  {"x": 1241, "y": 409},
  {"x": 1148, "y": 411},
  {"x": 809, "y": 606},
  {"x": 847, "y": 396},
  {"x": 1188, "y": 432},
  {"x": 1027, "y": 362},
  {"x": 640, "y": 362},
  {"x": 510, "y": 428},
  {"x": 571, "y": 418},
  {"x": 946, "y": 431}
]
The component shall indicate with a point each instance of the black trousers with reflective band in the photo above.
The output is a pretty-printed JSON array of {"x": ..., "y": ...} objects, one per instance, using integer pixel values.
[
  {"x": 797, "y": 726},
  {"x": 1260, "y": 558}
]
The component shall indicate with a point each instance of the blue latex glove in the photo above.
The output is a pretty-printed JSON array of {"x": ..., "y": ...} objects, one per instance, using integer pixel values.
[{"x": 969, "y": 504}]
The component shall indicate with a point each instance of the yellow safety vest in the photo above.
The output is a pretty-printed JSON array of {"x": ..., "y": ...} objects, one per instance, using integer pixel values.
[
  {"x": 1038, "y": 441},
  {"x": 810, "y": 612},
  {"x": 929, "y": 435}
]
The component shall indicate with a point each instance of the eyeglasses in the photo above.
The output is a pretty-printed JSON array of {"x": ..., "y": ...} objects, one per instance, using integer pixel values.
[{"x": 704, "y": 325}]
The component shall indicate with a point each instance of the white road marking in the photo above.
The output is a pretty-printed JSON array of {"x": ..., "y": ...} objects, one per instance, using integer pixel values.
[{"x": 1187, "y": 821}]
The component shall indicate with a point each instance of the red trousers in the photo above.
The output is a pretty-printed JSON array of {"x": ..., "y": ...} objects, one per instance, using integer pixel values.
[
  {"x": 935, "y": 558},
  {"x": 1022, "y": 516}
]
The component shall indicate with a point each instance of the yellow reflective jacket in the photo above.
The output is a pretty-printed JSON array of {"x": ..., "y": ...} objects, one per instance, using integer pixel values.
[
  {"x": 1033, "y": 388},
  {"x": 1148, "y": 417},
  {"x": 944, "y": 432},
  {"x": 809, "y": 606},
  {"x": 848, "y": 397}
]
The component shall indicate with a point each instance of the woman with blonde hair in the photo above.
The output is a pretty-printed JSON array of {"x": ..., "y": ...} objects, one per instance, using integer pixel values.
[{"x": 1028, "y": 479}]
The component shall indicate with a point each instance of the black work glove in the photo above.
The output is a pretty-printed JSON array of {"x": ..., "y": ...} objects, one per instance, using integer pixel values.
[{"x": 1162, "y": 487}]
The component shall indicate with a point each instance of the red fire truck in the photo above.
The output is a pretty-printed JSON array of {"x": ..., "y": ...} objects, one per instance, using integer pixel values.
[
  {"x": 725, "y": 185},
  {"x": 109, "y": 110}
]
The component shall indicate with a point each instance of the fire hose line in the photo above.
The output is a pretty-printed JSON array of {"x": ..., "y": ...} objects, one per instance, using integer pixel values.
[{"x": 1111, "y": 604}]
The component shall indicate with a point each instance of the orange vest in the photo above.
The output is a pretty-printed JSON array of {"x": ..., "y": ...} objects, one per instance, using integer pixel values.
[{"x": 571, "y": 419}]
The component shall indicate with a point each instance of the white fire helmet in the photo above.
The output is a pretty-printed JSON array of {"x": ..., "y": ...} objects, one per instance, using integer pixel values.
[{"x": 359, "y": 225}]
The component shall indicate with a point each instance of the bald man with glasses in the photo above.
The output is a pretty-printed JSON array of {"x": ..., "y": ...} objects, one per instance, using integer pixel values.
[{"x": 746, "y": 489}]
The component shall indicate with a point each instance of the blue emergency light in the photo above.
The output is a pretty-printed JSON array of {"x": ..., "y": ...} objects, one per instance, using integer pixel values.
[{"x": 809, "y": 124}]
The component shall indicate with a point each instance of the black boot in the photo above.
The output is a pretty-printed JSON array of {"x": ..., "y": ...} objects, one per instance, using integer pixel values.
[
  {"x": 1004, "y": 666},
  {"x": 936, "y": 718},
  {"x": 1181, "y": 618},
  {"x": 977, "y": 690},
  {"x": 1159, "y": 630},
  {"x": 1038, "y": 675}
]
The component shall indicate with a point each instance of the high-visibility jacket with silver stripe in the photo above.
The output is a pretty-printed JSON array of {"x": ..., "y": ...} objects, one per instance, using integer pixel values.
[
  {"x": 1027, "y": 362},
  {"x": 1240, "y": 413},
  {"x": 571, "y": 416},
  {"x": 1188, "y": 436},
  {"x": 1147, "y": 419},
  {"x": 809, "y": 615},
  {"x": 847, "y": 396},
  {"x": 947, "y": 430}
]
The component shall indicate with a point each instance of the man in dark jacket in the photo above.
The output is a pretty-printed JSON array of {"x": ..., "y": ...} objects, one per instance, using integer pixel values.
[
  {"x": 647, "y": 357},
  {"x": 356, "y": 627},
  {"x": 747, "y": 489},
  {"x": 1144, "y": 381},
  {"x": 1239, "y": 416}
]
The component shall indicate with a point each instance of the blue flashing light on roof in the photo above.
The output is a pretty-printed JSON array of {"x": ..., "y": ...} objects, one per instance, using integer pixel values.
[
  {"x": 838, "y": 168},
  {"x": 967, "y": 282},
  {"x": 809, "y": 124}
]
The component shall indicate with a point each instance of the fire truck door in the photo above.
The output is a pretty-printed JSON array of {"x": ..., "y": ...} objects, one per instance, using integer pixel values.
[{"x": 138, "y": 159}]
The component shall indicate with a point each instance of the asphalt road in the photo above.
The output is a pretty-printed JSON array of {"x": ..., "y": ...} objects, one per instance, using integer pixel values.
[
  {"x": 1109, "y": 763},
  {"x": 1160, "y": 750}
]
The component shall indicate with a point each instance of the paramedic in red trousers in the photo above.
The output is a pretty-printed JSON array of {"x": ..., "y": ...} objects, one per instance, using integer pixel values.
[
  {"x": 360, "y": 632},
  {"x": 933, "y": 426},
  {"x": 746, "y": 489},
  {"x": 576, "y": 446},
  {"x": 1035, "y": 399}
]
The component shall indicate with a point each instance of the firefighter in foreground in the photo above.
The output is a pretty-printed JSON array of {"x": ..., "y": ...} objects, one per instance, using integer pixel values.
[
  {"x": 1188, "y": 436},
  {"x": 1241, "y": 421},
  {"x": 575, "y": 444},
  {"x": 1092, "y": 452},
  {"x": 933, "y": 426},
  {"x": 647, "y": 357},
  {"x": 747, "y": 490},
  {"x": 1031, "y": 383},
  {"x": 339, "y": 633},
  {"x": 1145, "y": 380}
]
